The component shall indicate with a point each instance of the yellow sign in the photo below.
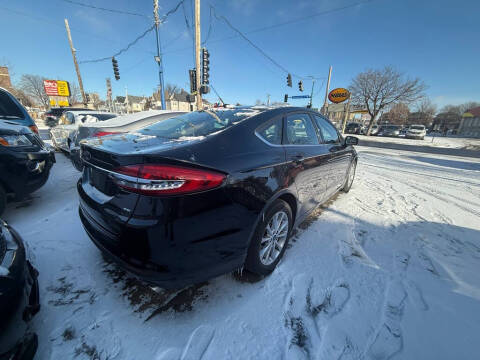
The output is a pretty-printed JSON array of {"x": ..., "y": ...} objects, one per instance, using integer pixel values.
[
  {"x": 338, "y": 95},
  {"x": 63, "y": 89},
  {"x": 53, "y": 102},
  {"x": 63, "y": 103}
]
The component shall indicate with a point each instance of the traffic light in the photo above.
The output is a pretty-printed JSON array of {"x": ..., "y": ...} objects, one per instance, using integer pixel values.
[
  {"x": 115, "y": 68},
  {"x": 193, "y": 80},
  {"x": 289, "y": 80},
  {"x": 300, "y": 85},
  {"x": 286, "y": 98},
  {"x": 205, "y": 66}
]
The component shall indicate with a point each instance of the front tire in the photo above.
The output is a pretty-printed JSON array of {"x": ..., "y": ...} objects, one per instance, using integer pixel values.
[{"x": 270, "y": 239}]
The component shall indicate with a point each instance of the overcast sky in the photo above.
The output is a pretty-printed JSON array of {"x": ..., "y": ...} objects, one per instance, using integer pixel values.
[{"x": 436, "y": 40}]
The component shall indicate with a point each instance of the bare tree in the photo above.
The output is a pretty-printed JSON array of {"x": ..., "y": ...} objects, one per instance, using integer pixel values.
[
  {"x": 75, "y": 94},
  {"x": 380, "y": 89},
  {"x": 459, "y": 109},
  {"x": 32, "y": 85},
  {"x": 398, "y": 114}
]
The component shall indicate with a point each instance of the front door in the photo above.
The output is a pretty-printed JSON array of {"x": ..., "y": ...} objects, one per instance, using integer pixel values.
[
  {"x": 338, "y": 156},
  {"x": 306, "y": 159}
]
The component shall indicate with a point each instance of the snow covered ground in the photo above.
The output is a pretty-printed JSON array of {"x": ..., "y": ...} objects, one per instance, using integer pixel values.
[{"x": 389, "y": 270}]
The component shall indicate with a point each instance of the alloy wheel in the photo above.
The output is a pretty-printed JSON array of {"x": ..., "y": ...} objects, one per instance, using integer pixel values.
[{"x": 274, "y": 238}]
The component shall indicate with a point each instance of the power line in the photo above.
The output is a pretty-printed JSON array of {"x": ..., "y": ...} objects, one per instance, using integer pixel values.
[
  {"x": 122, "y": 50},
  {"x": 105, "y": 9},
  {"x": 273, "y": 61},
  {"x": 141, "y": 36}
]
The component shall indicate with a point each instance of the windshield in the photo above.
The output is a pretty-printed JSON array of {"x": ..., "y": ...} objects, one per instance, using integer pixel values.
[
  {"x": 417, "y": 127},
  {"x": 8, "y": 108},
  {"x": 197, "y": 124}
]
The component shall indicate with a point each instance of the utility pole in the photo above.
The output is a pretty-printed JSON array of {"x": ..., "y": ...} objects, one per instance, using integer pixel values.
[
  {"x": 158, "y": 57},
  {"x": 345, "y": 118},
  {"x": 268, "y": 99},
  {"x": 77, "y": 69},
  {"x": 197, "y": 54},
  {"x": 325, "y": 103},
  {"x": 126, "y": 96},
  {"x": 311, "y": 94}
]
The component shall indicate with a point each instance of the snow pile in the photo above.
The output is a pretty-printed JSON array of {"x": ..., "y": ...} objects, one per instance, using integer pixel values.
[{"x": 389, "y": 270}]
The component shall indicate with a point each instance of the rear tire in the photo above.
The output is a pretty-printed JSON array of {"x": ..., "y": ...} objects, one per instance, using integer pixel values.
[
  {"x": 270, "y": 239},
  {"x": 3, "y": 199},
  {"x": 350, "y": 177}
]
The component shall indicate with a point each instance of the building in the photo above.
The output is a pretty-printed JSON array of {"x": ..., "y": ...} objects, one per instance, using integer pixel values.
[
  {"x": 419, "y": 118},
  {"x": 5, "y": 81},
  {"x": 470, "y": 123},
  {"x": 336, "y": 114},
  {"x": 447, "y": 121}
]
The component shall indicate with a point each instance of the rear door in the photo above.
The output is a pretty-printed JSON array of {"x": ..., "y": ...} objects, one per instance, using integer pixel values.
[
  {"x": 306, "y": 158},
  {"x": 339, "y": 157}
]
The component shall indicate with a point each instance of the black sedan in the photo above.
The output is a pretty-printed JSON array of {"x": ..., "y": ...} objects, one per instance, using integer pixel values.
[
  {"x": 25, "y": 162},
  {"x": 205, "y": 193},
  {"x": 19, "y": 297}
]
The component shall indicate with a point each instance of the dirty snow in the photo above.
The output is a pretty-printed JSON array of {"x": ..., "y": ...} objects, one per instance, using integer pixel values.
[{"x": 387, "y": 271}]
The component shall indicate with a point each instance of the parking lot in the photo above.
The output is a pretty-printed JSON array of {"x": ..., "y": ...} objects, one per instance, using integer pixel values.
[{"x": 389, "y": 268}]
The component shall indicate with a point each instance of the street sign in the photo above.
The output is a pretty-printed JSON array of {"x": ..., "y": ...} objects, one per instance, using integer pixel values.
[
  {"x": 300, "y": 97},
  {"x": 63, "y": 89},
  {"x": 51, "y": 87},
  {"x": 338, "y": 95}
]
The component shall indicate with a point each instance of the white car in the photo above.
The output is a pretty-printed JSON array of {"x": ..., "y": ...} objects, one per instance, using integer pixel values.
[
  {"x": 416, "y": 132},
  {"x": 64, "y": 133}
]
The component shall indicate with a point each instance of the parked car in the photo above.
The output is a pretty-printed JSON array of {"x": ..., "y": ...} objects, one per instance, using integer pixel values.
[
  {"x": 63, "y": 134},
  {"x": 53, "y": 115},
  {"x": 354, "y": 128},
  {"x": 13, "y": 111},
  {"x": 403, "y": 131},
  {"x": 416, "y": 132},
  {"x": 19, "y": 297},
  {"x": 389, "y": 130},
  {"x": 374, "y": 130},
  {"x": 25, "y": 162},
  {"x": 120, "y": 124},
  {"x": 207, "y": 192}
]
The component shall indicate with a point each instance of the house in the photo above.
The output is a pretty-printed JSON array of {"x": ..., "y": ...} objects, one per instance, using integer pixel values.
[
  {"x": 336, "y": 114},
  {"x": 470, "y": 123},
  {"x": 5, "y": 81},
  {"x": 447, "y": 121}
]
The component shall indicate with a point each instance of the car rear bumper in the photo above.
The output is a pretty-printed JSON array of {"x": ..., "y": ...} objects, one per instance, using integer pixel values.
[{"x": 176, "y": 252}]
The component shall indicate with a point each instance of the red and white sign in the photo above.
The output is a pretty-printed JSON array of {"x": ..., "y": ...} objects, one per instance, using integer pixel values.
[{"x": 51, "y": 87}]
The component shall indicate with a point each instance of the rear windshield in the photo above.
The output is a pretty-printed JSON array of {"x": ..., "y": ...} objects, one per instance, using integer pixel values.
[
  {"x": 418, "y": 127},
  {"x": 101, "y": 117},
  {"x": 8, "y": 109},
  {"x": 197, "y": 124}
]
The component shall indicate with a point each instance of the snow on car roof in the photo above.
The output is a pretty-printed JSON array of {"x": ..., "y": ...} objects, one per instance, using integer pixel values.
[{"x": 129, "y": 118}]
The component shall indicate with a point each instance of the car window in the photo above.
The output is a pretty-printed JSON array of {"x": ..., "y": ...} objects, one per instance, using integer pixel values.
[
  {"x": 329, "y": 133},
  {"x": 8, "y": 108},
  {"x": 271, "y": 132},
  {"x": 197, "y": 124},
  {"x": 300, "y": 130}
]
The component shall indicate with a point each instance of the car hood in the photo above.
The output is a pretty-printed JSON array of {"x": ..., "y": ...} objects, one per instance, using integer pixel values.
[{"x": 10, "y": 128}]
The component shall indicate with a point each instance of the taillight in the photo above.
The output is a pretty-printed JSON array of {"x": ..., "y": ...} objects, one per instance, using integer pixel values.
[
  {"x": 104, "y": 133},
  {"x": 34, "y": 128},
  {"x": 152, "y": 179}
]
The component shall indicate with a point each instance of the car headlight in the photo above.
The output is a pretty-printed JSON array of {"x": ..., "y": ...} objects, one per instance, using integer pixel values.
[{"x": 14, "y": 140}]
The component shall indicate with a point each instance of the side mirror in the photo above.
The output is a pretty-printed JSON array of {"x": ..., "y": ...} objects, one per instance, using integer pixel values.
[{"x": 351, "y": 140}]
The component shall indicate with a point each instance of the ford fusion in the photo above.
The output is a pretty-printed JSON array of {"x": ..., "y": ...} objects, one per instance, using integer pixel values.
[{"x": 204, "y": 193}]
